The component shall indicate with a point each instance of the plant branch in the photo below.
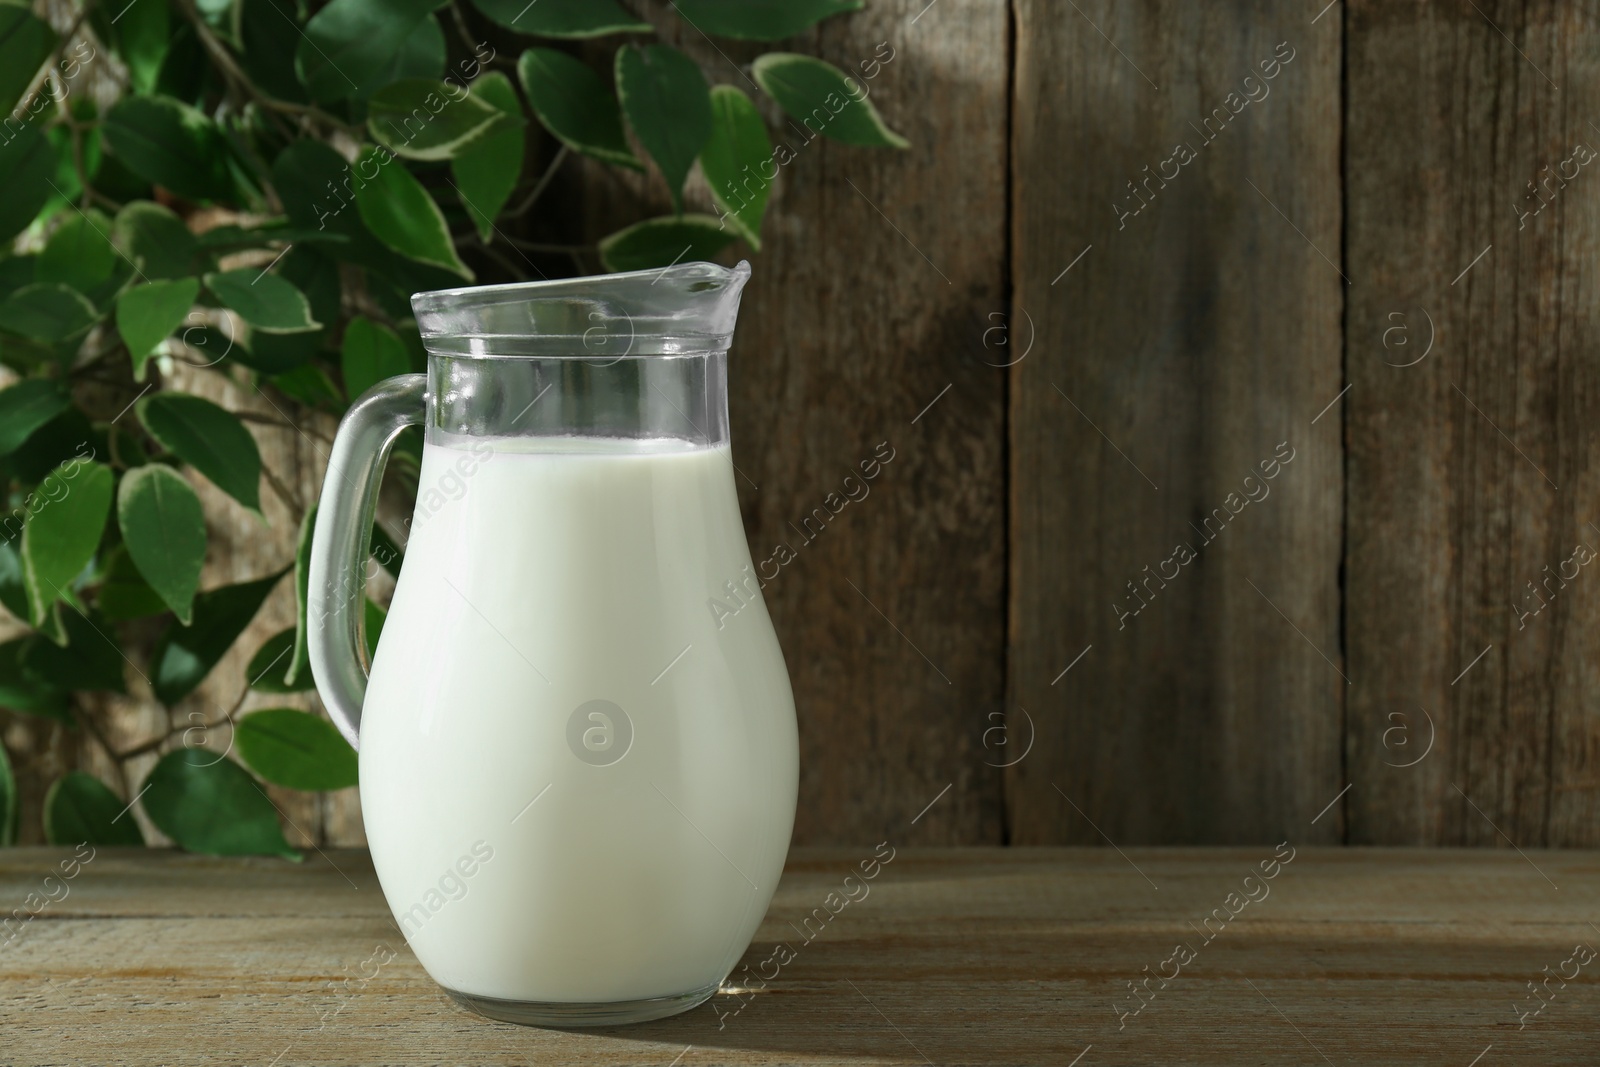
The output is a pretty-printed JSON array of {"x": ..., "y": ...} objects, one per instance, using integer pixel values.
[
  {"x": 462, "y": 29},
  {"x": 86, "y": 720},
  {"x": 281, "y": 424},
  {"x": 539, "y": 187},
  {"x": 240, "y": 81},
  {"x": 290, "y": 500},
  {"x": 495, "y": 254},
  {"x": 49, "y": 65},
  {"x": 264, "y": 420},
  {"x": 172, "y": 730},
  {"x": 543, "y": 246}
]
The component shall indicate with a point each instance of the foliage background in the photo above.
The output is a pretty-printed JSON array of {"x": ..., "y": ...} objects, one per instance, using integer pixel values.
[{"x": 198, "y": 269}]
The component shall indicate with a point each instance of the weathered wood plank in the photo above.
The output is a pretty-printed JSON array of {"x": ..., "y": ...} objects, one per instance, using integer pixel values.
[
  {"x": 1472, "y": 471},
  {"x": 953, "y": 956},
  {"x": 870, "y": 299},
  {"x": 1176, "y": 249}
]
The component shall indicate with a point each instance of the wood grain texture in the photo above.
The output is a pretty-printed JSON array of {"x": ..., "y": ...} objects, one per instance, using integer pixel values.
[
  {"x": 1472, "y": 472},
  {"x": 878, "y": 277},
  {"x": 1195, "y": 339},
  {"x": 871, "y": 301},
  {"x": 955, "y": 956}
]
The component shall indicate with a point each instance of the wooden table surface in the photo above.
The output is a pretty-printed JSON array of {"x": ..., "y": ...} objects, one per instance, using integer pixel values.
[{"x": 955, "y": 956}]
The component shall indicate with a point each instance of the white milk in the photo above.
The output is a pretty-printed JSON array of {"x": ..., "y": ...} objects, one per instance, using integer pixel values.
[{"x": 535, "y": 582}]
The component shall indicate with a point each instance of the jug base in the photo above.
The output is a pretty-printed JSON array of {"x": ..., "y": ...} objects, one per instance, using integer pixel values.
[{"x": 561, "y": 1015}]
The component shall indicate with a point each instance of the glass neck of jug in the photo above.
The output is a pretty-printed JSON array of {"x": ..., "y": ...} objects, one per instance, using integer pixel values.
[{"x": 640, "y": 356}]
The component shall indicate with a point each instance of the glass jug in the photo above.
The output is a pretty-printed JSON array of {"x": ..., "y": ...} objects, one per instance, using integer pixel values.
[{"x": 577, "y": 741}]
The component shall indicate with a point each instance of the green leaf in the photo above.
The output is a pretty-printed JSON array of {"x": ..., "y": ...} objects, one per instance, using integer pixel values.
[
  {"x": 371, "y": 354},
  {"x": 142, "y": 39},
  {"x": 210, "y": 804},
  {"x": 735, "y": 160},
  {"x": 15, "y": 272},
  {"x": 824, "y": 99},
  {"x": 210, "y": 345},
  {"x": 318, "y": 189},
  {"x": 295, "y": 749},
  {"x": 69, "y": 435},
  {"x": 487, "y": 170},
  {"x": 21, "y": 692},
  {"x": 89, "y": 659},
  {"x": 298, "y": 669},
  {"x": 269, "y": 31},
  {"x": 575, "y": 105},
  {"x": 266, "y": 301},
  {"x": 8, "y": 801},
  {"x": 317, "y": 276},
  {"x": 28, "y": 405},
  {"x": 63, "y": 530},
  {"x": 421, "y": 55},
  {"x": 209, "y": 439},
  {"x": 164, "y": 528},
  {"x": 27, "y": 164},
  {"x": 310, "y": 385},
  {"x": 147, "y": 315},
  {"x": 184, "y": 655},
  {"x": 79, "y": 253},
  {"x": 79, "y": 809},
  {"x": 170, "y": 144},
  {"x": 562, "y": 18},
  {"x": 423, "y": 119},
  {"x": 266, "y": 673},
  {"x": 26, "y": 41},
  {"x": 123, "y": 593},
  {"x": 187, "y": 72},
  {"x": 48, "y": 313},
  {"x": 13, "y": 590},
  {"x": 760, "y": 20},
  {"x": 668, "y": 105},
  {"x": 664, "y": 241},
  {"x": 155, "y": 239},
  {"x": 350, "y": 44},
  {"x": 402, "y": 215},
  {"x": 315, "y": 185}
]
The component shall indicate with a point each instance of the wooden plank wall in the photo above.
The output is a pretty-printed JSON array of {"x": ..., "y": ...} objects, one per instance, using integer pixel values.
[
  {"x": 1405, "y": 624},
  {"x": 1472, "y": 472},
  {"x": 870, "y": 306},
  {"x": 1174, "y": 619}
]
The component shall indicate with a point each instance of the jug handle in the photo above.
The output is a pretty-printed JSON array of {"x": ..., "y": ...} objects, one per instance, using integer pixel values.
[{"x": 336, "y": 591}]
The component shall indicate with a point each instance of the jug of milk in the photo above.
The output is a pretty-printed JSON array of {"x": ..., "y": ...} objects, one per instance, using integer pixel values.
[{"x": 578, "y": 778}]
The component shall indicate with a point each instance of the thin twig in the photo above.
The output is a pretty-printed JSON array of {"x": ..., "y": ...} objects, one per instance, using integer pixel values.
[
  {"x": 86, "y": 720},
  {"x": 48, "y": 67},
  {"x": 540, "y": 186},
  {"x": 461, "y": 28},
  {"x": 173, "y": 730},
  {"x": 240, "y": 81},
  {"x": 502, "y": 260},
  {"x": 542, "y": 246},
  {"x": 283, "y": 424},
  {"x": 290, "y": 500}
]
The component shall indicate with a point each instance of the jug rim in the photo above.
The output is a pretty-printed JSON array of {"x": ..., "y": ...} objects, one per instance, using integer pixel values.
[{"x": 680, "y": 309}]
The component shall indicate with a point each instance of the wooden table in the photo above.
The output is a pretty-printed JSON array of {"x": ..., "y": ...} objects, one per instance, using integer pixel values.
[{"x": 955, "y": 956}]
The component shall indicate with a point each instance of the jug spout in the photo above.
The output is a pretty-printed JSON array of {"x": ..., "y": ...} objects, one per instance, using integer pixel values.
[{"x": 688, "y": 307}]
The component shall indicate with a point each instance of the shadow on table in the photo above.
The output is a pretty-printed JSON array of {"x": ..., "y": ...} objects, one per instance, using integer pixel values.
[{"x": 880, "y": 998}]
